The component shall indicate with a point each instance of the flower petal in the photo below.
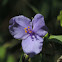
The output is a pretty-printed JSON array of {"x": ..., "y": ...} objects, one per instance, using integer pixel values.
[
  {"x": 21, "y": 20},
  {"x": 43, "y": 31},
  {"x": 38, "y": 22},
  {"x": 32, "y": 46},
  {"x": 17, "y": 32},
  {"x": 17, "y": 25}
]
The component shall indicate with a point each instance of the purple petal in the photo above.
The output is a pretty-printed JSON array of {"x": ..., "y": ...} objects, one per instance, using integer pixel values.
[
  {"x": 32, "y": 46},
  {"x": 17, "y": 25},
  {"x": 17, "y": 32},
  {"x": 21, "y": 20},
  {"x": 38, "y": 22},
  {"x": 43, "y": 31}
]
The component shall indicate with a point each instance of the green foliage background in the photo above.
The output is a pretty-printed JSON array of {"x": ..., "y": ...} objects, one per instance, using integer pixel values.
[{"x": 10, "y": 48}]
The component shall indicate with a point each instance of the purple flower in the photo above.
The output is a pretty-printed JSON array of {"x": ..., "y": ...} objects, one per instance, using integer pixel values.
[{"x": 31, "y": 33}]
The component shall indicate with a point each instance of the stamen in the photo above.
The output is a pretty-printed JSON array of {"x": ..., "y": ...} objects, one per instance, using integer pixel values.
[
  {"x": 25, "y": 31},
  {"x": 28, "y": 27},
  {"x": 25, "y": 28},
  {"x": 30, "y": 31}
]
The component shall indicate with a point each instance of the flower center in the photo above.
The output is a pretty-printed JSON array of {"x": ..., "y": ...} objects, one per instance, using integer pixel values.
[{"x": 28, "y": 30}]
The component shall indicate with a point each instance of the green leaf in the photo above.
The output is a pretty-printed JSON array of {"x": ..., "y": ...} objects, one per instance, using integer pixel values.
[
  {"x": 33, "y": 8},
  {"x": 61, "y": 12},
  {"x": 37, "y": 58},
  {"x": 59, "y": 59},
  {"x": 11, "y": 44},
  {"x": 44, "y": 9},
  {"x": 59, "y": 18},
  {"x": 46, "y": 35},
  {"x": 21, "y": 57},
  {"x": 4, "y": 2},
  {"x": 11, "y": 58},
  {"x": 2, "y": 52},
  {"x": 58, "y": 37}
]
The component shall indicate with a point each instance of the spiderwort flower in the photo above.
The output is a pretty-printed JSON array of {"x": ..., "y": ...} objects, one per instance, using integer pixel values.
[{"x": 31, "y": 33}]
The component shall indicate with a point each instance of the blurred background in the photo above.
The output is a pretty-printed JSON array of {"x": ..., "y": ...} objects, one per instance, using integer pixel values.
[{"x": 10, "y": 48}]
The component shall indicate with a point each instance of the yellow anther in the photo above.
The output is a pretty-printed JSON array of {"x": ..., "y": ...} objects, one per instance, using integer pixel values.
[
  {"x": 25, "y": 31},
  {"x": 30, "y": 31},
  {"x": 25, "y": 28},
  {"x": 28, "y": 27}
]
